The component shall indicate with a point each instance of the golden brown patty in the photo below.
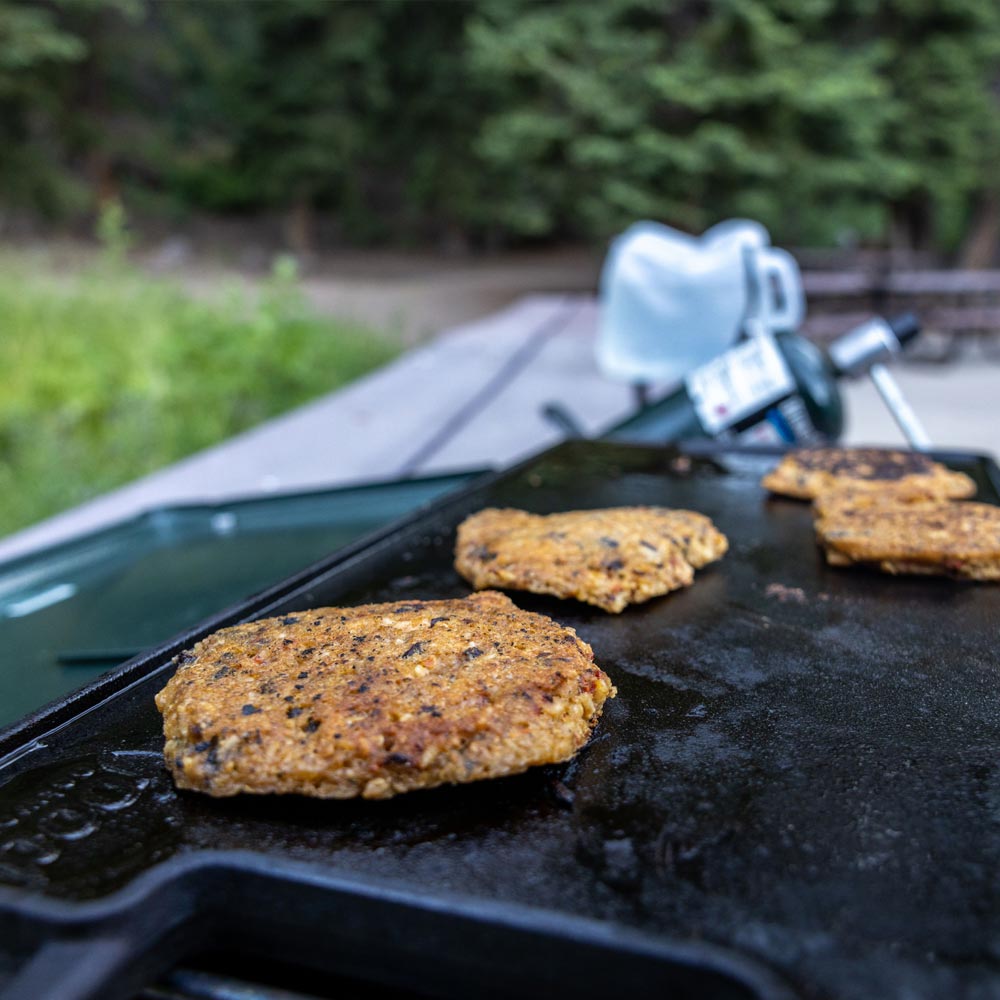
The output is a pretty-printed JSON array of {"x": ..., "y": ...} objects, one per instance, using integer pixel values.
[
  {"x": 840, "y": 501},
  {"x": 379, "y": 699},
  {"x": 809, "y": 472},
  {"x": 611, "y": 558},
  {"x": 938, "y": 537}
]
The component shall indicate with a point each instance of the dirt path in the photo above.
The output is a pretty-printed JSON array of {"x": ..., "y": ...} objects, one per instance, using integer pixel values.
[{"x": 415, "y": 296}]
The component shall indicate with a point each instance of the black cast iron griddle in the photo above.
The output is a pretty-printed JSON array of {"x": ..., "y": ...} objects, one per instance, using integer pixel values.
[{"x": 796, "y": 791}]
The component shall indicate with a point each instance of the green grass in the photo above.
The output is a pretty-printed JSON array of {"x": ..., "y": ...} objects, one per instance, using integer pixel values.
[{"x": 106, "y": 375}]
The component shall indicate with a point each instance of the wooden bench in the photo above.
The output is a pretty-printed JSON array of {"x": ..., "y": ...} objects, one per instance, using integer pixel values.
[{"x": 954, "y": 305}]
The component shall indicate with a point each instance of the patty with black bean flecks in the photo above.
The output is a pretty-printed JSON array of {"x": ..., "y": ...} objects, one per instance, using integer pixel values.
[
  {"x": 946, "y": 538},
  {"x": 379, "y": 699},
  {"x": 809, "y": 472},
  {"x": 610, "y": 558},
  {"x": 839, "y": 502}
]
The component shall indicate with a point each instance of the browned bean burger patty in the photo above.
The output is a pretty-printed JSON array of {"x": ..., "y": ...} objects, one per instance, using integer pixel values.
[
  {"x": 379, "y": 699},
  {"x": 839, "y": 502},
  {"x": 611, "y": 557},
  {"x": 809, "y": 472},
  {"x": 929, "y": 537}
]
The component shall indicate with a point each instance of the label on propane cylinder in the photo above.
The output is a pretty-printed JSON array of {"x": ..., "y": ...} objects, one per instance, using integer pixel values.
[{"x": 745, "y": 380}]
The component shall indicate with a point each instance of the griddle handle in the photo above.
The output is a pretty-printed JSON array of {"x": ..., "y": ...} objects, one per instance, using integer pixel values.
[{"x": 77, "y": 969}]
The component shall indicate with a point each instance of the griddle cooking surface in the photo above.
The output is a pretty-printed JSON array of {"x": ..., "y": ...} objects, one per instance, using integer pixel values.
[{"x": 801, "y": 763}]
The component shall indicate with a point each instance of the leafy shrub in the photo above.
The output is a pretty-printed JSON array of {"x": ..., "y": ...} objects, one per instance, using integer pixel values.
[
  {"x": 108, "y": 375},
  {"x": 506, "y": 120}
]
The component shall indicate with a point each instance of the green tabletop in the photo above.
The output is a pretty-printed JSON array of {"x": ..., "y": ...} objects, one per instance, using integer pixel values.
[{"x": 73, "y": 611}]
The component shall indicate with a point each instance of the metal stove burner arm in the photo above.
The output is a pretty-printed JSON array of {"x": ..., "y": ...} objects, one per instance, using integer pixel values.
[
  {"x": 864, "y": 351},
  {"x": 904, "y": 415}
]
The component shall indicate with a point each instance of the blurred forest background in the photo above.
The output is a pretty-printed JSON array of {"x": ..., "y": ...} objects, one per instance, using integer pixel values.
[
  {"x": 448, "y": 128},
  {"x": 488, "y": 123}
]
